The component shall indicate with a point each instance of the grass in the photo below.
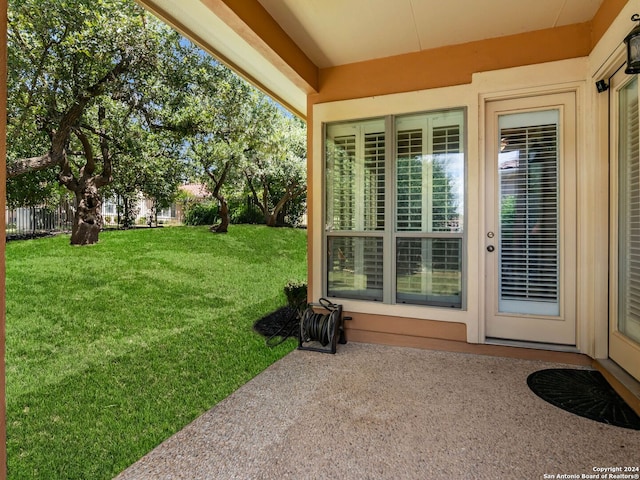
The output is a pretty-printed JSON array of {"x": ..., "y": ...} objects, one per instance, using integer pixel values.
[{"x": 112, "y": 348}]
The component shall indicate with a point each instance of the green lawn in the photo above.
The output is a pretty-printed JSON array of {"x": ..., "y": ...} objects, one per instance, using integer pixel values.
[{"x": 112, "y": 348}]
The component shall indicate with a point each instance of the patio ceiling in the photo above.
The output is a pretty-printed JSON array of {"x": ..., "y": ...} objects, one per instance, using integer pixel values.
[
  {"x": 338, "y": 32},
  {"x": 282, "y": 45}
]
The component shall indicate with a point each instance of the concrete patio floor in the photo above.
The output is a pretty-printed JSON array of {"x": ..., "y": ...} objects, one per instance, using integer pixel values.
[{"x": 380, "y": 412}]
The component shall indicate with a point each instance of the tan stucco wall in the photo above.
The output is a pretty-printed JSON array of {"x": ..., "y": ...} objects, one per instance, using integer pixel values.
[
  {"x": 455, "y": 65},
  {"x": 452, "y": 65},
  {"x": 434, "y": 68},
  {"x": 606, "y": 58},
  {"x": 553, "y": 77},
  {"x": 469, "y": 76}
]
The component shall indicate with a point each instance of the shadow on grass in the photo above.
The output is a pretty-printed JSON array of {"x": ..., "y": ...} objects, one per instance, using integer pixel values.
[{"x": 183, "y": 374}]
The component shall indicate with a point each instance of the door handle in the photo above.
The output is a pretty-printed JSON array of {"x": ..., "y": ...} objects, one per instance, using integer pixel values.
[{"x": 490, "y": 248}]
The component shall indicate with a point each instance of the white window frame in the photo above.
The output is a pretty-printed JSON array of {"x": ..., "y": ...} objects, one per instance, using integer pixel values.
[{"x": 426, "y": 121}]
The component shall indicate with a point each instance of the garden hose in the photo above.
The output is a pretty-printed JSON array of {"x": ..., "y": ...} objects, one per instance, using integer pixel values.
[
  {"x": 287, "y": 329},
  {"x": 319, "y": 327}
]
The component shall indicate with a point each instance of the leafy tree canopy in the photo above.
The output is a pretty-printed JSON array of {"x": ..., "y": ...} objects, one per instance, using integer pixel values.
[
  {"x": 106, "y": 99},
  {"x": 90, "y": 86}
]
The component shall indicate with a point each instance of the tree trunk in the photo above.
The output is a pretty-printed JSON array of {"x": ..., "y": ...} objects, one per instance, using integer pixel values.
[
  {"x": 272, "y": 219},
  {"x": 118, "y": 209},
  {"x": 223, "y": 226},
  {"x": 87, "y": 221}
]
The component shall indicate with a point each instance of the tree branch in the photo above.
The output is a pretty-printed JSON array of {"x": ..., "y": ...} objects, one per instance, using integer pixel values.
[
  {"x": 32, "y": 164},
  {"x": 296, "y": 193},
  {"x": 90, "y": 163},
  {"x": 60, "y": 137},
  {"x": 66, "y": 176},
  {"x": 220, "y": 182},
  {"x": 253, "y": 191},
  {"x": 105, "y": 178},
  {"x": 72, "y": 115},
  {"x": 95, "y": 131}
]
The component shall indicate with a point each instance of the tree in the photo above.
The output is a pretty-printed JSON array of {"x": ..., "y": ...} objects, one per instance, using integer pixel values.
[
  {"x": 87, "y": 78},
  {"x": 276, "y": 170},
  {"x": 248, "y": 143},
  {"x": 161, "y": 178},
  {"x": 62, "y": 60},
  {"x": 219, "y": 161},
  {"x": 34, "y": 189},
  {"x": 102, "y": 93},
  {"x": 155, "y": 171},
  {"x": 231, "y": 127}
]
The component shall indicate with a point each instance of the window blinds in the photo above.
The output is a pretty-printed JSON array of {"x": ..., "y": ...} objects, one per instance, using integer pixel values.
[
  {"x": 446, "y": 147},
  {"x": 629, "y": 154},
  {"x": 426, "y": 199},
  {"x": 409, "y": 206},
  {"x": 428, "y": 175},
  {"x": 356, "y": 204},
  {"x": 529, "y": 221},
  {"x": 342, "y": 172},
  {"x": 373, "y": 178},
  {"x": 421, "y": 243}
]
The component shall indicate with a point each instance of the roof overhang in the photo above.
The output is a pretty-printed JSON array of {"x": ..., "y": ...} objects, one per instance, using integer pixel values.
[
  {"x": 249, "y": 42},
  {"x": 293, "y": 49}
]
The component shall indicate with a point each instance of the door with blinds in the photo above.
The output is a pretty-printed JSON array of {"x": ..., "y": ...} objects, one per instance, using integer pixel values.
[
  {"x": 624, "y": 334},
  {"x": 530, "y": 232}
]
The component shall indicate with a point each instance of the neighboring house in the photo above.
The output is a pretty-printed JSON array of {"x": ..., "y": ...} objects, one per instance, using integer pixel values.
[
  {"x": 463, "y": 192},
  {"x": 196, "y": 190},
  {"x": 145, "y": 212}
]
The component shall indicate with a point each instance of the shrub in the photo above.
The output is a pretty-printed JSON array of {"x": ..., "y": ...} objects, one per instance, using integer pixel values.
[
  {"x": 244, "y": 213},
  {"x": 294, "y": 211},
  {"x": 205, "y": 213},
  {"x": 296, "y": 293}
]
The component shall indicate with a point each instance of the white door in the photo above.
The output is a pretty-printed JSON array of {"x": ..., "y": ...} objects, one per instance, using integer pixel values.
[
  {"x": 624, "y": 320},
  {"x": 530, "y": 231}
]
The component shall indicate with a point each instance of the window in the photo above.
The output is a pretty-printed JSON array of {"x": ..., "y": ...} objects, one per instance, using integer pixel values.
[
  {"x": 167, "y": 212},
  {"x": 394, "y": 209},
  {"x": 629, "y": 214},
  {"x": 356, "y": 175},
  {"x": 109, "y": 207},
  {"x": 528, "y": 170}
]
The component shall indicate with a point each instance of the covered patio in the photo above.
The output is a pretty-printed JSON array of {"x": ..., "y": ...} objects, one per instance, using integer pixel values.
[
  {"x": 371, "y": 77},
  {"x": 460, "y": 406},
  {"x": 374, "y": 411},
  {"x": 443, "y": 411}
]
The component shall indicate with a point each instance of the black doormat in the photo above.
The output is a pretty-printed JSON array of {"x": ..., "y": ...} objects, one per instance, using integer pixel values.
[{"x": 585, "y": 393}]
